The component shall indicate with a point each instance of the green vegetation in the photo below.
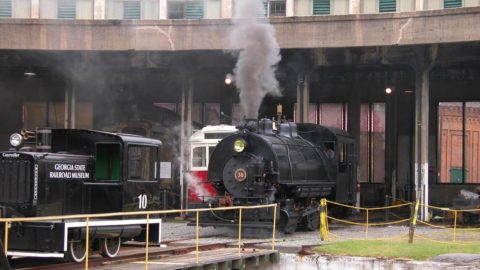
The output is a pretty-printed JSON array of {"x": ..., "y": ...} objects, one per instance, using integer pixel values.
[{"x": 394, "y": 249}]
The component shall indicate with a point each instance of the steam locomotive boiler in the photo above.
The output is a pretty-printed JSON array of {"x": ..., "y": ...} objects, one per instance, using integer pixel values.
[
  {"x": 291, "y": 164},
  {"x": 56, "y": 172}
]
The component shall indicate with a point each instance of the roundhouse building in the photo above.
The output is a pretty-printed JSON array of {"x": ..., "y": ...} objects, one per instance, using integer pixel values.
[{"x": 105, "y": 63}]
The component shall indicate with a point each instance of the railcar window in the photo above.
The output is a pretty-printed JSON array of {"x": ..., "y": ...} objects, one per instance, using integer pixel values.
[
  {"x": 107, "y": 162},
  {"x": 198, "y": 157},
  {"x": 216, "y": 135},
  {"x": 142, "y": 162}
]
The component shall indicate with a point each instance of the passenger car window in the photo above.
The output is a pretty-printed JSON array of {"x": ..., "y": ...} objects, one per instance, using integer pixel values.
[{"x": 198, "y": 157}]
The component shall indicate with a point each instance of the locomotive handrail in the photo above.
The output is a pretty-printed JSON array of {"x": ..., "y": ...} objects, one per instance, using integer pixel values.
[
  {"x": 153, "y": 212},
  {"x": 88, "y": 218}
]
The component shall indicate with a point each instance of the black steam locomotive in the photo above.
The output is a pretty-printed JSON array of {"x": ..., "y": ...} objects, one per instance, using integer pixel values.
[
  {"x": 291, "y": 164},
  {"x": 54, "y": 172}
]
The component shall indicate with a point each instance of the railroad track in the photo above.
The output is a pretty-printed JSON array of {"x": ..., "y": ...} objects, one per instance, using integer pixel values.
[{"x": 128, "y": 253}]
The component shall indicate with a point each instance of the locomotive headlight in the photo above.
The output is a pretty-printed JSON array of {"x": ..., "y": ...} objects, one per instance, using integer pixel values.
[
  {"x": 15, "y": 139},
  {"x": 239, "y": 145}
]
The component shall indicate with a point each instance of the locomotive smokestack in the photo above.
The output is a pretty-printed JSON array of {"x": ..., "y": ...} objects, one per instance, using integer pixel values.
[
  {"x": 258, "y": 58},
  {"x": 249, "y": 124}
]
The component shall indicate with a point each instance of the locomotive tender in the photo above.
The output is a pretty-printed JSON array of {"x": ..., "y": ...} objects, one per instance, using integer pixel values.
[
  {"x": 272, "y": 162},
  {"x": 53, "y": 172}
]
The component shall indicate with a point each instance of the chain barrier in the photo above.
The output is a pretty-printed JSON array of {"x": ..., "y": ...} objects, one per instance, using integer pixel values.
[
  {"x": 326, "y": 234},
  {"x": 455, "y": 231},
  {"x": 456, "y": 228}
]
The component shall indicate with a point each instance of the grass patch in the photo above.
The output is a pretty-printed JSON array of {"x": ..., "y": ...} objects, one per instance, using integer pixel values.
[{"x": 394, "y": 249}]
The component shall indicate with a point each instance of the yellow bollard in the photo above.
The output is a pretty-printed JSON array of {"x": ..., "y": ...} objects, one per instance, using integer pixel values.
[
  {"x": 413, "y": 222},
  {"x": 147, "y": 236},
  {"x": 454, "y": 225},
  {"x": 196, "y": 236},
  {"x": 366, "y": 227},
  {"x": 87, "y": 235},
  {"x": 239, "y": 230},
  {"x": 274, "y": 225},
  {"x": 6, "y": 238},
  {"x": 323, "y": 219}
]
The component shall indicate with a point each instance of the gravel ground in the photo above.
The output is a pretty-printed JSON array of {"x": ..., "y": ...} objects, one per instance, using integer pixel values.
[{"x": 293, "y": 242}]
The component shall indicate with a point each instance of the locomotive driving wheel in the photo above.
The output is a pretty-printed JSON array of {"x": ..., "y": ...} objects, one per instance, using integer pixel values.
[
  {"x": 109, "y": 247},
  {"x": 76, "y": 251}
]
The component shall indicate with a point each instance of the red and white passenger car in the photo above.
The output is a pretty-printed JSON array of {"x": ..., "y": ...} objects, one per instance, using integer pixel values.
[{"x": 202, "y": 143}]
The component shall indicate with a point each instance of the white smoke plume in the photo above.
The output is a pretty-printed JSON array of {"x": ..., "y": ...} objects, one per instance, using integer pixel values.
[
  {"x": 191, "y": 182},
  {"x": 258, "y": 57},
  {"x": 196, "y": 187}
]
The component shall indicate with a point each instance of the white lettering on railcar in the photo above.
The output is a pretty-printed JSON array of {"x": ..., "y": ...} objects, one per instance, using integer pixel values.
[
  {"x": 10, "y": 155},
  {"x": 69, "y": 171}
]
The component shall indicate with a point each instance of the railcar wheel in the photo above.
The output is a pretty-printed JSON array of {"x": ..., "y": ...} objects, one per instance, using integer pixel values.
[
  {"x": 313, "y": 221},
  {"x": 109, "y": 247},
  {"x": 76, "y": 251}
]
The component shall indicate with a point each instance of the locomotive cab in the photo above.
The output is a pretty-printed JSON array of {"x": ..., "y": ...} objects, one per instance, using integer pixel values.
[{"x": 56, "y": 172}]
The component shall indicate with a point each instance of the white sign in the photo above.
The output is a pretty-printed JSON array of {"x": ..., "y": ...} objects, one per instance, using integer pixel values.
[{"x": 165, "y": 170}]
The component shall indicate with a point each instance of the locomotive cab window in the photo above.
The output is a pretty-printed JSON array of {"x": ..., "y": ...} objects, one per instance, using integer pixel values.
[
  {"x": 107, "y": 163},
  {"x": 330, "y": 150},
  {"x": 143, "y": 162}
]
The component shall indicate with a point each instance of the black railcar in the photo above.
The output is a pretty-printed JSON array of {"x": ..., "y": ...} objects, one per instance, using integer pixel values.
[
  {"x": 71, "y": 171},
  {"x": 291, "y": 164}
]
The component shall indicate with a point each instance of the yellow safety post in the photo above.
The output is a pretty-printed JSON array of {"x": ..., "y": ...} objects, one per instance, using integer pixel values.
[
  {"x": 323, "y": 219},
  {"x": 6, "y": 238},
  {"x": 239, "y": 230},
  {"x": 147, "y": 238},
  {"x": 454, "y": 225},
  {"x": 274, "y": 225},
  {"x": 196, "y": 237},
  {"x": 87, "y": 235},
  {"x": 366, "y": 227},
  {"x": 413, "y": 222}
]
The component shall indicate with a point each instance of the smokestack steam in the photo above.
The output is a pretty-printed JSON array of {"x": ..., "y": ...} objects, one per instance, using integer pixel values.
[{"x": 258, "y": 57}]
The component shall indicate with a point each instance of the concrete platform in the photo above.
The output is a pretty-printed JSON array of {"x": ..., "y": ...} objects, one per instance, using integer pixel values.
[{"x": 225, "y": 258}]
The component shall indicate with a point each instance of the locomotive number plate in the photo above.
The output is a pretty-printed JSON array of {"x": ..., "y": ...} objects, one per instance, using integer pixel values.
[{"x": 240, "y": 175}]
